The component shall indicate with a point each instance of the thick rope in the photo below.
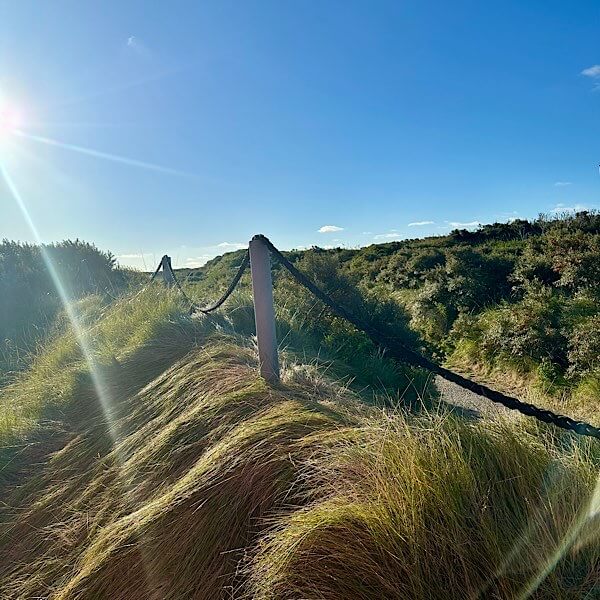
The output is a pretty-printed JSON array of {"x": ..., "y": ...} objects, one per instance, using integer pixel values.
[
  {"x": 243, "y": 266},
  {"x": 181, "y": 290},
  {"x": 156, "y": 272},
  {"x": 400, "y": 352},
  {"x": 210, "y": 308}
]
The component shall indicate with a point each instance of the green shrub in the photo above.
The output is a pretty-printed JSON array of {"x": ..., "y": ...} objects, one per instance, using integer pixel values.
[
  {"x": 31, "y": 298},
  {"x": 528, "y": 330},
  {"x": 584, "y": 346}
]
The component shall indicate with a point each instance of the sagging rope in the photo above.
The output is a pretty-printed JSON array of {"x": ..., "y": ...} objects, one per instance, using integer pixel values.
[
  {"x": 194, "y": 308},
  {"x": 407, "y": 355},
  {"x": 243, "y": 266}
]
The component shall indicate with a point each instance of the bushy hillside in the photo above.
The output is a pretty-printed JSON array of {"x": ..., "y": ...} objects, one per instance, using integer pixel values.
[
  {"x": 173, "y": 471},
  {"x": 30, "y": 298},
  {"x": 517, "y": 303}
]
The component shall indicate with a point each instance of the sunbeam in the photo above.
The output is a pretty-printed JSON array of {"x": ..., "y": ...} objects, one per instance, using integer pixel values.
[
  {"x": 568, "y": 542},
  {"x": 99, "y": 385},
  {"x": 118, "y": 88},
  {"x": 104, "y": 155}
]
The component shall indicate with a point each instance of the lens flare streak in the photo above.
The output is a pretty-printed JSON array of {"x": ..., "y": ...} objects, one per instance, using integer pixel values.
[
  {"x": 99, "y": 385},
  {"x": 103, "y": 155}
]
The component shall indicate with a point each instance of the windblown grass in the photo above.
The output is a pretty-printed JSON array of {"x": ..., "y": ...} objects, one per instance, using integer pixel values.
[
  {"x": 203, "y": 482},
  {"x": 435, "y": 508},
  {"x": 111, "y": 333}
]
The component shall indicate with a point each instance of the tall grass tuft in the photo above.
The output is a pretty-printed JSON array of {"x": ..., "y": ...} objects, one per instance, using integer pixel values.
[
  {"x": 438, "y": 508},
  {"x": 203, "y": 482}
]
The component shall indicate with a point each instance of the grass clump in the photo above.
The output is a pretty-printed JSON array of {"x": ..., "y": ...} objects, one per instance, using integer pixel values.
[
  {"x": 434, "y": 508},
  {"x": 187, "y": 476},
  {"x": 110, "y": 333}
]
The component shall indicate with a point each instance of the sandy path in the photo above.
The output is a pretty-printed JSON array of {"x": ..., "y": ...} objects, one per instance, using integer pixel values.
[{"x": 467, "y": 402}]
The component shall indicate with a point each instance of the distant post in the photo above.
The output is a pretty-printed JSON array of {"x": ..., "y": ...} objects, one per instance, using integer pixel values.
[
  {"x": 166, "y": 271},
  {"x": 264, "y": 310}
]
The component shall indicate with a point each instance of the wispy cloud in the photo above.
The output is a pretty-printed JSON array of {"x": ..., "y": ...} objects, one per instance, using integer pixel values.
[
  {"x": 593, "y": 72},
  {"x": 137, "y": 45},
  {"x": 421, "y": 223},
  {"x": 231, "y": 245},
  {"x": 129, "y": 256},
  {"x": 562, "y": 208},
  {"x": 330, "y": 229},
  {"x": 193, "y": 262},
  {"x": 390, "y": 235},
  {"x": 562, "y": 183},
  {"x": 461, "y": 225}
]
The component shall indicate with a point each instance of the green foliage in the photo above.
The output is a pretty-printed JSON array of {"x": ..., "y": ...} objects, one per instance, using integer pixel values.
[
  {"x": 461, "y": 280},
  {"x": 29, "y": 292},
  {"x": 191, "y": 478},
  {"x": 516, "y": 229},
  {"x": 562, "y": 258},
  {"x": 177, "y": 472},
  {"x": 584, "y": 346},
  {"x": 109, "y": 333},
  {"x": 529, "y": 330},
  {"x": 336, "y": 336}
]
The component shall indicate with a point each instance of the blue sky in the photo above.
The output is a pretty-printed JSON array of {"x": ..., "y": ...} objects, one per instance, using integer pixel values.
[{"x": 187, "y": 127}]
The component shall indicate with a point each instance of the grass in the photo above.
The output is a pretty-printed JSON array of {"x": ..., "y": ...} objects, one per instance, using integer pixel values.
[
  {"x": 434, "y": 508},
  {"x": 203, "y": 482},
  {"x": 111, "y": 332}
]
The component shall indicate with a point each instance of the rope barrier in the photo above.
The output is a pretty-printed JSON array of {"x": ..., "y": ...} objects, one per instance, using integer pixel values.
[
  {"x": 405, "y": 354},
  {"x": 211, "y": 307},
  {"x": 243, "y": 266},
  {"x": 181, "y": 290},
  {"x": 156, "y": 272}
]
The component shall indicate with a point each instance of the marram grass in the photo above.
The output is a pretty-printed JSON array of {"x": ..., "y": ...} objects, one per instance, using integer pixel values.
[{"x": 202, "y": 482}]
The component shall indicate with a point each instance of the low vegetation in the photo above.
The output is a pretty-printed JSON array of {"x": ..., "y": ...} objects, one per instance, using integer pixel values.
[
  {"x": 185, "y": 476},
  {"x": 31, "y": 300},
  {"x": 516, "y": 303},
  {"x": 142, "y": 456}
]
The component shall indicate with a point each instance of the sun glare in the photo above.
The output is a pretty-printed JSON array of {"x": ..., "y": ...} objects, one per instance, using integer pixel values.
[{"x": 10, "y": 120}]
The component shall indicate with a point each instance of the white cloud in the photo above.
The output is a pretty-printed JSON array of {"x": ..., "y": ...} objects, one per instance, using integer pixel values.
[
  {"x": 561, "y": 208},
  {"x": 330, "y": 229},
  {"x": 562, "y": 183},
  {"x": 139, "y": 260},
  {"x": 231, "y": 245},
  {"x": 367, "y": 233},
  {"x": 459, "y": 225},
  {"x": 391, "y": 235},
  {"x": 134, "y": 43},
  {"x": 197, "y": 261},
  {"x": 593, "y": 72},
  {"x": 421, "y": 223}
]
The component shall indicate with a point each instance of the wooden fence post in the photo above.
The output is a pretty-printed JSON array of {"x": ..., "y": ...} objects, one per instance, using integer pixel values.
[
  {"x": 166, "y": 271},
  {"x": 264, "y": 309}
]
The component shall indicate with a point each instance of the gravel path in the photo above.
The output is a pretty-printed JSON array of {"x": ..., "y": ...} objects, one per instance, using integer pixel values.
[{"x": 466, "y": 402}]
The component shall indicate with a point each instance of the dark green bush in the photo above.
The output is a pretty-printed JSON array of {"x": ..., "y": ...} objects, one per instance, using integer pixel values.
[
  {"x": 584, "y": 346},
  {"x": 530, "y": 330},
  {"x": 29, "y": 288}
]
